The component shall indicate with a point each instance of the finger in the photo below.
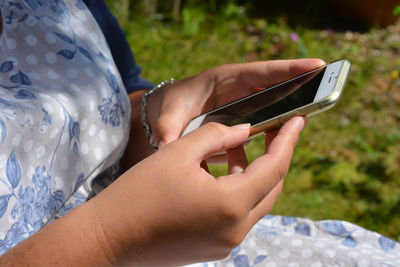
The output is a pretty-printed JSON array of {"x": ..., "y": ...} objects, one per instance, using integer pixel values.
[
  {"x": 217, "y": 159},
  {"x": 179, "y": 106},
  {"x": 204, "y": 165},
  {"x": 267, "y": 73},
  {"x": 169, "y": 126},
  {"x": 246, "y": 78},
  {"x": 237, "y": 160},
  {"x": 264, "y": 206},
  {"x": 288, "y": 134},
  {"x": 211, "y": 138},
  {"x": 220, "y": 157},
  {"x": 269, "y": 136},
  {"x": 268, "y": 170}
]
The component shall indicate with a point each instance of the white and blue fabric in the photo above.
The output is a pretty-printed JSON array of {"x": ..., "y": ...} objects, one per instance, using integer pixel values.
[
  {"x": 64, "y": 124},
  {"x": 277, "y": 241},
  {"x": 64, "y": 113}
]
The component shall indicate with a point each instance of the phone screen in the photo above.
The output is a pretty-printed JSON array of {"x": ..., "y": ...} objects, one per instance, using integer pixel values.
[
  {"x": 270, "y": 102},
  {"x": 306, "y": 94}
]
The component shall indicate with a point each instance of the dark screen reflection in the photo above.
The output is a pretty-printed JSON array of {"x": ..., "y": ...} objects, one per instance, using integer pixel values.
[{"x": 270, "y": 102}]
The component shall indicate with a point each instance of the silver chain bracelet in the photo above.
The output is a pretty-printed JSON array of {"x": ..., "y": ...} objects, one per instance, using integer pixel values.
[{"x": 143, "y": 113}]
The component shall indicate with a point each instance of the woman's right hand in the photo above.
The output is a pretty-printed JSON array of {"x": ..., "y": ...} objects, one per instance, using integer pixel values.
[{"x": 168, "y": 210}]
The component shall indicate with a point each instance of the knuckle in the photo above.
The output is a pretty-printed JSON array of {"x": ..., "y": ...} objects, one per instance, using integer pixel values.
[
  {"x": 233, "y": 239},
  {"x": 164, "y": 121},
  {"x": 233, "y": 220},
  {"x": 161, "y": 124},
  {"x": 219, "y": 71},
  {"x": 225, "y": 254},
  {"x": 282, "y": 168},
  {"x": 232, "y": 211},
  {"x": 221, "y": 67},
  {"x": 216, "y": 129},
  {"x": 232, "y": 214},
  {"x": 166, "y": 124},
  {"x": 219, "y": 254}
]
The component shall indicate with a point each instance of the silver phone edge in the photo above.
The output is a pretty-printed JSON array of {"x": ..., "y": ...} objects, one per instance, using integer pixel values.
[
  {"x": 311, "y": 109},
  {"x": 308, "y": 110}
]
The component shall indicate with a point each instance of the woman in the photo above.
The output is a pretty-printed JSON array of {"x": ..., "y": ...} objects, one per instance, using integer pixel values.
[{"x": 65, "y": 121}]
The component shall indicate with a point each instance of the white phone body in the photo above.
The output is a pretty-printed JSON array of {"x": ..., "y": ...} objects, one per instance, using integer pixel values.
[{"x": 304, "y": 95}]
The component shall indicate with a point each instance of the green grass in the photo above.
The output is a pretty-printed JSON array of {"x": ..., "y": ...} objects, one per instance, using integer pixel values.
[{"x": 347, "y": 162}]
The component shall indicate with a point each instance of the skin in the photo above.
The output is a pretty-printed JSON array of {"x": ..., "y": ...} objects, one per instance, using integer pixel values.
[
  {"x": 170, "y": 110},
  {"x": 167, "y": 209}
]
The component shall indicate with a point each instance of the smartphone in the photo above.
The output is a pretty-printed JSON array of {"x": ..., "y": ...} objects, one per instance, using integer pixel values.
[{"x": 307, "y": 94}]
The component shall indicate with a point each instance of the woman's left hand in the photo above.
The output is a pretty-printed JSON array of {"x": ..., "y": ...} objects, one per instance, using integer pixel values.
[{"x": 170, "y": 109}]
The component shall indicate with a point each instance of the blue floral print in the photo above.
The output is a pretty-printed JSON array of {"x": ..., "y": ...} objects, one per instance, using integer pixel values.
[
  {"x": 289, "y": 241},
  {"x": 64, "y": 113},
  {"x": 33, "y": 204},
  {"x": 336, "y": 228}
]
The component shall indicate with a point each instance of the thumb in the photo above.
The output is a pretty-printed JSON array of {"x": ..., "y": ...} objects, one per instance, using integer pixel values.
[
  {"x": 214, "y": 137},
  {"x": 169, "y": 127}
]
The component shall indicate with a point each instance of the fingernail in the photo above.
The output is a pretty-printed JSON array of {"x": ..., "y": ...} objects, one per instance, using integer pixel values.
[
  {"x": 302, "y": 123},
  {"x": 236, "y": 169},
  {"x": 242, "y": 126}
]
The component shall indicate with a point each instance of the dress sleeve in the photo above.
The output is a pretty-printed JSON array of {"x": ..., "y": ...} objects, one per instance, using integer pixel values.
[{"x": 121, "y": 52}]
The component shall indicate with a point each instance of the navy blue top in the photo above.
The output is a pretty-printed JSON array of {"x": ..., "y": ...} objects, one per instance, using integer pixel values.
[{"x": 121, "y": 52}]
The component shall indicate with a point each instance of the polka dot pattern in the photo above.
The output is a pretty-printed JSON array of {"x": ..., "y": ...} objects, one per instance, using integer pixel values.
[
  {"x": 34, "y": 75},
  {"x": 51, "y": 58},
  {"x": 297, "y": 250},
  {"x": 40, "y": 152},
  {"x": 32, "y": 60},
  {"x": 11, "y": 43},
  {"x": 98, "y": 153},
  {"x": 50, "y": 38},
  {"x": 85, "y": 148},
  {"x": 92, "y": 130},
  {"x": 31, "y": 40},
  {"x": 53, "y": 75},
  {"x": 72, "y": 74},
  {"x": 55, "y": 131}
]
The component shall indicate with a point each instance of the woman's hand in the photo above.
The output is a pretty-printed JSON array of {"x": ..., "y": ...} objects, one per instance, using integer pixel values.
[
  {"x": 170, "y": 109},
  {"x": 168, "y": 209}
]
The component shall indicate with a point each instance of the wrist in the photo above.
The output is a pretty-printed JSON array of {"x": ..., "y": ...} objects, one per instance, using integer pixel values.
[
  {"x": 124, "y": 221},
  {"x": 76, "y": 239},
  {"x": 138, "y": 147},
  {"x": 148, "y": 116}
]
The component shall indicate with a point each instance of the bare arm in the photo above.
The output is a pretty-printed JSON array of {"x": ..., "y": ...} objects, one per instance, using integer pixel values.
[
  {"x": 160, "y": 214},
  {"x": 76, "y": 239},
  {"x": 170, "y": 109},
  {"x": 138, "y": 147},
  {"x": 167, "y": 209}
]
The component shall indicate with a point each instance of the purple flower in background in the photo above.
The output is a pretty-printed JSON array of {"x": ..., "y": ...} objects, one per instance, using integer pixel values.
[
  {"x": 329, "y": 30},
  {"x": 294, "y": 37}
]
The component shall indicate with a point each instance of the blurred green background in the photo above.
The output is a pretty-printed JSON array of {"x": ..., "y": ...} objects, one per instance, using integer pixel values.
[{"x": 347, "y": 163}]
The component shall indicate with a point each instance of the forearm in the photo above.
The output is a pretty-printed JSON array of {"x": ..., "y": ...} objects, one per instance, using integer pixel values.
[
  {"x": 77, "y": 239},
  {"x": 138, "y": 146},
  {"x": 110, "y": 229}
]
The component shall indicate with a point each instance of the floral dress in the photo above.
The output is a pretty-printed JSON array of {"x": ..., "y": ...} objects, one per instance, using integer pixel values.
[
  {"x": 64, "y": 113},
  {"x": 277, "y": 241}
]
